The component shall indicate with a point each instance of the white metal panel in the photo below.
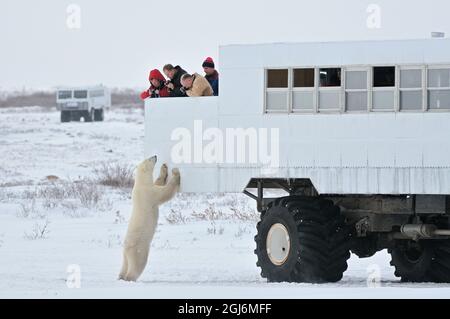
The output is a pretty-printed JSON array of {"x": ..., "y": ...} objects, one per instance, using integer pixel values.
[
  {"x": 408, "y": 153},
  {"x": 354, "y": 153},
  {"x": 335, "y": 53},
  {"x": 241, "y": 92},
  {"x": 381, "y": 153}
]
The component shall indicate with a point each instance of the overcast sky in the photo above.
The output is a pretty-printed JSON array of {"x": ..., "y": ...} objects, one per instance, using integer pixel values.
[{"x": 118, "y": 42}]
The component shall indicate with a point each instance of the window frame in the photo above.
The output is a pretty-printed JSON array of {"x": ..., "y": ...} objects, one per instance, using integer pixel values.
[
  {"x": 427, "y": 89},
  {"x": 422, "y": 88},
  {"x": 288, "y": 91},
  {"x": 313, "y": 90},
  {"x": 367, "y": 90},
  {"x": 397, "y": 89},
  {"x": 393, "y": 89},
  {"x": 338, "y": 89},
  {"x": 80, "y": 98}
]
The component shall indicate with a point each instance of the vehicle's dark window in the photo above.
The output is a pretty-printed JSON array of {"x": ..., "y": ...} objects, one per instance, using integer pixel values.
[
  {"x": 303, "y": 78},
  {"x": 330, "y": 77},
  {"x": 80, "y": 94},
  {"x": 62, "y": 95},
  {"x": 277, "y": 78},
  {"x": 384, "y": 76}
]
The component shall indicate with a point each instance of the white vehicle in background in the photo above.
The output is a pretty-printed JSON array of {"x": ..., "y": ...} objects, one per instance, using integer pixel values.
[
  {"x": 364, "y": 152},
  {"x": 83, "y": 102}
]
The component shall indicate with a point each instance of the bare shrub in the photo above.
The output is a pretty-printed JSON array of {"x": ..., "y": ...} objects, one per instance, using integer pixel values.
[
  {"x": 209, "y": 214},
  {"x": 27, "y": 208},
  {"x": 40, "y": 230},
  {"x": 114, "y": 240},
  {"x": 52, "y": 194},
  {"x": 115, "y": 175},
  {"x": 119, "y": 218},
  {"x": 175, "y": 217},
  {"x": 242, "y": 230},
  {"x": 86, "y": 192},
  {"x": 214, "y": 229},
  {"x": 245, "y": 214}
]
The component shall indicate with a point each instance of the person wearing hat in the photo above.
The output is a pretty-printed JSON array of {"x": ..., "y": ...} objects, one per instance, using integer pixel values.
[
  {"x": 158, "y": 86},
  {"x": 211, "y": 74}
]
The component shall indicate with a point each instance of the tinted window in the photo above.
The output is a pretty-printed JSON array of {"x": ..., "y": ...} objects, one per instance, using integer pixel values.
[
  {"x": 330, "y": 77},
  {"x": 277, "y": 78},
  {"x": 303, "y": 78},
  {"x": 384, "y": 76},
  {"x": 80, "y": 94},
  {"x": 64, "y": 95}
]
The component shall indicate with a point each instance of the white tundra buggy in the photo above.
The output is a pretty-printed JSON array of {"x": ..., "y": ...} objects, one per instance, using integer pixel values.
[
  {"x": 357, "y": 136},
  {"x": 83, "y": 102}
]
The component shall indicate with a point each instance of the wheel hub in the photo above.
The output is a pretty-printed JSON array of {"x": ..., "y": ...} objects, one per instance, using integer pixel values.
[{"x": 278, "y": 244}]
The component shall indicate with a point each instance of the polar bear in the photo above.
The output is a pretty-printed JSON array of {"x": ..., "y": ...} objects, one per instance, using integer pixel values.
[{"x": 147, "y": 196}]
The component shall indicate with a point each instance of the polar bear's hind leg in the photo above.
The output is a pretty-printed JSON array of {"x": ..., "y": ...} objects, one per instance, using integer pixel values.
[
  {"x": 136, "y": 264},
  {"x": 124, "y": 271}
]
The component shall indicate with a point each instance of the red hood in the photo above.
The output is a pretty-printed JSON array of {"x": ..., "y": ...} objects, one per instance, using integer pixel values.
[{"x": 155, "y": 74}]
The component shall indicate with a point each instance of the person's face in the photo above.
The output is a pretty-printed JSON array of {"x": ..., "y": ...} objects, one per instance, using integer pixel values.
[
  {"x": 187, "y": 83},
  {"x": 155, "y": 82},
  {"x": 170, "y": 74},
  {"x": 208, "y": 70}
]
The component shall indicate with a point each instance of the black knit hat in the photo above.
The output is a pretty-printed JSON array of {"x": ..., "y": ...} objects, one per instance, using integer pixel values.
[{"x": 208, "y": 63}]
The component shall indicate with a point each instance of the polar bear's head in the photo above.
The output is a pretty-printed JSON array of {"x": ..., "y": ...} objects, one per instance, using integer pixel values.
[{"x": 144, "y": 171}]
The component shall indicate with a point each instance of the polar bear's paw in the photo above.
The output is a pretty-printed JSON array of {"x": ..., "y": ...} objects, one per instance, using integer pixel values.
[
  {"x": 162, "y": 179},
  {"x": 176, "y": 175}
]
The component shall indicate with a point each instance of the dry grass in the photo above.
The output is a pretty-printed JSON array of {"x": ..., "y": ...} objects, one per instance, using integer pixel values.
[
  {"x": 84, "y": 192},
  {"x": 114, "y": 175},
  {"x": 40, "y": 230},
  {"x": 176, "y": 217}
]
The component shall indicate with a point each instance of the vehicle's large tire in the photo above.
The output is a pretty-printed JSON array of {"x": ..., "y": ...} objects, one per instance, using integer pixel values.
[
  {"x": 88, "y": 116},
  {"x": 76, "y": 117},
  {"x": 317, "y": 248},
  {"x": 98, "y": 115},
  {"x": 423, "y": 261},
  {"x": 65, "y": 116}
]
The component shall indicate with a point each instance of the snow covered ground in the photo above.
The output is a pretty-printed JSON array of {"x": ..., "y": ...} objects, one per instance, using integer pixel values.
[{"x": 58, "y": 221}]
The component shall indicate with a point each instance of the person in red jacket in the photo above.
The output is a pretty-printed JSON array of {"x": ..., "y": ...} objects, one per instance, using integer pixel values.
[{"x": 158, "y": 86}]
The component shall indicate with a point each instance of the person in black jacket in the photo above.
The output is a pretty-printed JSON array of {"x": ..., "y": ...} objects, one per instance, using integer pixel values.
[{"x": 174, "y": 84}]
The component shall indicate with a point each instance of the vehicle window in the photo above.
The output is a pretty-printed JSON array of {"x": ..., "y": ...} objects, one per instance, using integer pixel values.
[
  {"x": 80, "y": 94},
  {"x": 277, "y": 90},
  {"x": 304, "y": 78},
  {"x": 384, "y": 76},
  {"x": 62, "y": 95},
  {"x": 356, "y": 90},
  {"x": 439, "y": 89},
  {"x": 277, "y": 78},
  {"x": 330, "y": 77},
  {"x": 411, "y": 93},
  {"x": 98, "y": 93}
]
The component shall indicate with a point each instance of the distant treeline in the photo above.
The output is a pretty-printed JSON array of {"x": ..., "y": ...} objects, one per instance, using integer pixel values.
[{"x": 119, "y": 98}]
